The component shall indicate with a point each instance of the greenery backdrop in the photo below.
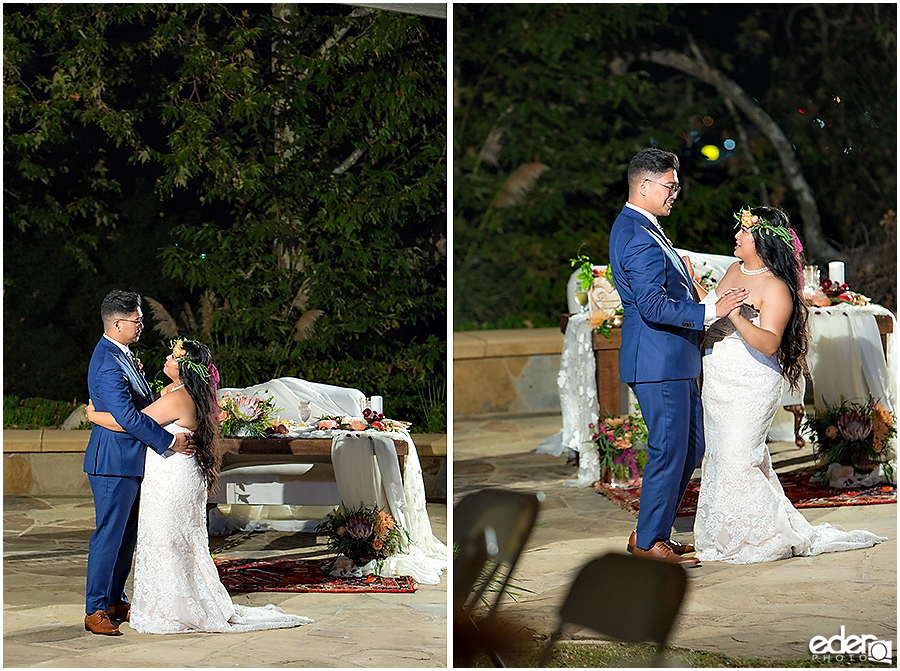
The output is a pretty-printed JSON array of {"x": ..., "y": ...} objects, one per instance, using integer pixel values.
[
  {"x": 271, "y": 178},
  {"x": 551, "y": 101}
]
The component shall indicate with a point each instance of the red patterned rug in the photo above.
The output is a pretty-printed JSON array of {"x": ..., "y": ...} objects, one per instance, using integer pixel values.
[
  {"x": 300, "y": 575},
  {"x": 796, "y": 486}
]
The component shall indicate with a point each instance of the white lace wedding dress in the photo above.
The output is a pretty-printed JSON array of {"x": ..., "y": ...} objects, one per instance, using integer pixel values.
[
  {"x": 176, "y": 585},
  {"x": 743, "y": 515}
]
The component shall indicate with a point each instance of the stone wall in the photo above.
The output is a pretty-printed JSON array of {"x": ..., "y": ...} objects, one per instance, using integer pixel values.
[
  {"x": 506, "y": 371},
  {"x": 48, "y": 462}
]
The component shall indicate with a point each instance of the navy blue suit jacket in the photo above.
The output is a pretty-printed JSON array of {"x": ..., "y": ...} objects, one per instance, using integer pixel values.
[
  {"x": 663, "y": 325},
  {"x": 116, "y": 386}
]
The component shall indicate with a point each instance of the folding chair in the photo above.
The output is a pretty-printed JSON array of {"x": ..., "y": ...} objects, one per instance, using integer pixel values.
[
  {"x": 633, "y": 599},
  {"x": 511, "y": 516}
]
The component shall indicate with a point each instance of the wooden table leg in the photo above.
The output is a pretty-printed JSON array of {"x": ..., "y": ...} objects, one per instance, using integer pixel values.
[{"x": 798, "y": 419}]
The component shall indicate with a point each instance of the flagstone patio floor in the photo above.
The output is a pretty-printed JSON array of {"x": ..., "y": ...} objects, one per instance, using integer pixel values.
[
  {"x": 44, "y": 561},
  {"x": 768, "y": 610}
]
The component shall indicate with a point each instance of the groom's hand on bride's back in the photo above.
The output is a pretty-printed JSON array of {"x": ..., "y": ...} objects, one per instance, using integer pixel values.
[
  {"x": 184, "y": 444},
  {"x": 731, "y": 300}
]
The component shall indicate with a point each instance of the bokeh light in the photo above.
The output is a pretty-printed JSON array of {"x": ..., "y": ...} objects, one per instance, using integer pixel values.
[
  {"x": 711, "y": 152},
  {"x": 708, "y": 121},
  {"x": 729, "y": 144}
]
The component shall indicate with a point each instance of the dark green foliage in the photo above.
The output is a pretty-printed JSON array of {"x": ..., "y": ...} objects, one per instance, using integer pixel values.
[
  {"x": 34, "y": 413},
  {"x": 297, "y": 153},
  {"x": 566, "y": 86}
]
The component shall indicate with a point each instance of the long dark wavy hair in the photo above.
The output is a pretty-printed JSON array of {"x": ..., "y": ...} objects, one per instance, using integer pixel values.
[
  {"x": 203, "y": 393},
  {"x": 786, "y": 265}
]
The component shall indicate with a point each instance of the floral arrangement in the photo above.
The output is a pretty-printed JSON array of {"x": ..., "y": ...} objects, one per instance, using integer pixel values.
[
  {"x": 854, "y": 434},
  {"x": 362, "y": 534},
  {"x": 616, "y": 438},
  {"x": 587, "y": 274},
  {"x": 370, "y": 420},
  {"x": 586, "y": 271},
  {"x": 248, "y": 416}
]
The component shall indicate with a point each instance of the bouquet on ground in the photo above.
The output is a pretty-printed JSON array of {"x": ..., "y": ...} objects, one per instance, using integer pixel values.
[
  {"x": 362, "y": 534},
  {"x": 854, "y": 434},
  {"x": 245, "y": 416},
  {"x": 370, "y": 420},
  {"x": 621, "y": 444}
]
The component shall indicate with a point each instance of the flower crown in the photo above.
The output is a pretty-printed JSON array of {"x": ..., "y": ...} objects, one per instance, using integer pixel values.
[
  {"x": 182, "y": 357},
  {"x": 784, "y": 233}
]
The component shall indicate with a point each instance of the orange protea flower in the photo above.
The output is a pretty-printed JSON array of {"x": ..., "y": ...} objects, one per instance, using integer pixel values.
[
  {"x": 386, "y": 519},
  {"x": 614, "y": 422},
  {"x": 596, "y": 318},
  {"x": 622, "y": 443},
  {"x": 881, "y": 422},
  {"x": 831, "y": 432},
  {"x": 223, "y": 415}
]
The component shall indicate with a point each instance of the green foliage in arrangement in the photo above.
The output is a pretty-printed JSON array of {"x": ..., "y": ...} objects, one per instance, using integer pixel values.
[{"x": 296, "y": 157}]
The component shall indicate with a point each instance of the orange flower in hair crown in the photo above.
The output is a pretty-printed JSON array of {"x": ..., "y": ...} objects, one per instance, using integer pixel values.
[
  {"x": 178, "y": 349},
  {"x": 183, "y": 358}
]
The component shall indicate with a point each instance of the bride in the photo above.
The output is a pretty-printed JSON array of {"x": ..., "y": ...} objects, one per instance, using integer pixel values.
[
  {"x": 743, "y": 515},
  {"x": 176, "y": 584}
]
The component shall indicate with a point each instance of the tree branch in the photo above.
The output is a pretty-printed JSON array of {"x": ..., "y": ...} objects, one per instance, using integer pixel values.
[{"x": 817, "y": 247}]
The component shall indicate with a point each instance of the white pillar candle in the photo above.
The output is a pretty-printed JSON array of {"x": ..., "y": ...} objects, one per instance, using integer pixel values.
[
  {"x": 836, "y": 271},
  {"x": 377, "y": 404}
]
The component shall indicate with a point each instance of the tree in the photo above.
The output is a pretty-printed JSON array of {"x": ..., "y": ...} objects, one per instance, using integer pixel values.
[
  {"x": 792, "y": 105},
  {"x": 308, "y": 263}
]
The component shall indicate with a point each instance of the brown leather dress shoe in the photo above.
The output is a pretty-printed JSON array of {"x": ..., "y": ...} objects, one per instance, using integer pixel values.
[
  {"x": 663, "y": 552},
  {"x": 679, "y": 548},
  {"x": 675, "y": 546},
  {"x": 120, "y": 612},
  {"x": 98, "y": 623}
]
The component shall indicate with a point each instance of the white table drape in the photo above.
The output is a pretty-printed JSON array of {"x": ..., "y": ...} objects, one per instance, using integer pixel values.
[
  {"x": 577, "y": 385},
  {"x": 847, "y": 358},
  {"x": 366, "y": 470},
  {"x": 324, "y": 399}
]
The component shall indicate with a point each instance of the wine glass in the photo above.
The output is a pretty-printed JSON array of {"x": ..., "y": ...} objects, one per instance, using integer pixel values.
[
  {"x": 305, "y": 411},
  {"x": 581, "y": 297}
]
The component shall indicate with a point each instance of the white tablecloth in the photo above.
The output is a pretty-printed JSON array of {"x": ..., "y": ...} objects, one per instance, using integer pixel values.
[{"x": 846, "y": 360}]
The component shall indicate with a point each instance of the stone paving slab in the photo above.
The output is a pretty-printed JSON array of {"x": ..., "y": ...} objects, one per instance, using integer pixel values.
[
  {"x": 768, "y": 610},
  {"x": 45, "y": 558}
]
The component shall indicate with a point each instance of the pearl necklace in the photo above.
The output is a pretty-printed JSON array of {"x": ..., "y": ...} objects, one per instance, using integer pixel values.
[{"x": 753, "y": 272}]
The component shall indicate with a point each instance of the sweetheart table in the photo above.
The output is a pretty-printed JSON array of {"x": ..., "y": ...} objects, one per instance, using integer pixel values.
[
  {"x": 850, "y": 357},
  {"x": 281, "y": 483}
]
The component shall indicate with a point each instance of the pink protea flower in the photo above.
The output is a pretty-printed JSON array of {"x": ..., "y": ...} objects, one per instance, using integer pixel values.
[
  {"x": 359, "y": 527},
  {"x": 855, "y": 426}
]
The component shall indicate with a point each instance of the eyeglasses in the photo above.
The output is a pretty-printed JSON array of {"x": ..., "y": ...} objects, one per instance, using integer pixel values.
[
  {"x": 140, "y": 321},
  {"x": 673, "y": 190}
]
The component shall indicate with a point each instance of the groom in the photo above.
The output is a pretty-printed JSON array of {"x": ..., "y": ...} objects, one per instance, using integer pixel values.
[
  {"x": 660, "y": 356},
  {"x": 114, "y": 461}
]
